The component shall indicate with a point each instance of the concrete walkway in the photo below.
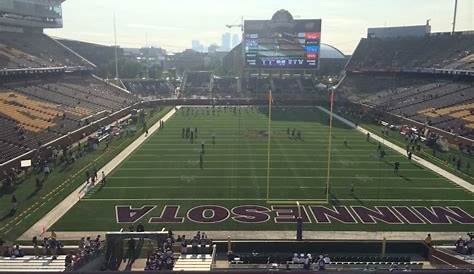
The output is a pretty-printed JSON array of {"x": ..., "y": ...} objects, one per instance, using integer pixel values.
[
  {"x": 291, "y": 235},
  {"x": 60, "y": 210},
  {"x": 453, "y": 178}
]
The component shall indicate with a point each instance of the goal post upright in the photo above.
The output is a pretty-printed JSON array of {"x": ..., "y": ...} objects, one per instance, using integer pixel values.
[
  {"x": 328, "y": 175},
  {"x": 270, "y": 99}
]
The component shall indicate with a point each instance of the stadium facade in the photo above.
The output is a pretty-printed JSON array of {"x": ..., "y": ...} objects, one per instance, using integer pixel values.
[
  {"x": 403, "y": 31},
  {"x": 20, "y": 15}
]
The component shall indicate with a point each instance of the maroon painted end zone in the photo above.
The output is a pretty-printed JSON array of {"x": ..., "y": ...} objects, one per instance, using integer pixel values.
[{"x": 254, "y": 214}]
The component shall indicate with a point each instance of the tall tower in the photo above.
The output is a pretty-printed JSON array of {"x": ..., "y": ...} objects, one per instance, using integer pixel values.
[
  {"x": 235, "y": 40},
  {"x": 226, "y": 42}
]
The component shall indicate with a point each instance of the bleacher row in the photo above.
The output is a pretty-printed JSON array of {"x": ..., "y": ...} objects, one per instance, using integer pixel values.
[
  {"x": 284, "y": 85},
  {"x": 200, "y": 83},
  {"x": 445, "y": 104},
  {"x": 35, "y": 112},
  {"x": 193, "y": 262},
  {"x": 335, "y": 262},
  {"x": 32, "y": 263},
  {"x": 282, "y": 259},
  {"x": 145, "y": 88},
  {"x": 432, "y": 51},
  {"x": 34, "y": 50},
  {"x": 225, "y": 86},
  {"x": 197, "y": 83}
]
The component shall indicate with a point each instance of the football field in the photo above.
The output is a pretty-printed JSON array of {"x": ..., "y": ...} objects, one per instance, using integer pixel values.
[{"x": 221, "y": 179}]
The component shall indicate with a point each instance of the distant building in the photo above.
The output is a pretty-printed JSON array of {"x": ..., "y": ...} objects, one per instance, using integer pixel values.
[
  {"x": 212, "y": 48},
  {"x": 28, "y": 14},
  {"x": 197, "y": 46},
  {"x": 235, "y": 40},
  {"x": 226, "y": 42},
  {"x": 187, "y": 60},
  {"x": 396, "y": 32}
]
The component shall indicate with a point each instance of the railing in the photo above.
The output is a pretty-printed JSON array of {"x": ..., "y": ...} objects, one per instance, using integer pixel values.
[
  {"x": 77, "y": 131},
  {"x": 19, "y": 71},
  {"x": 420, "y": 70},
  {"x": 74, "y": 52},
  {"x": 214, "y": 250},
  {"x": 452, "y": 137}
]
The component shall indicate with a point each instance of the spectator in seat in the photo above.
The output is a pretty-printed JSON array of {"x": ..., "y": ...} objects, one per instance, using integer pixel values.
[
  {"x": 46, "y": 246},
  {"x": 470, "y": 247},
  {"x": 194, "y": 245},
  {"x": 17, "y": 252},
  {"x": 326, "y": 259},
  {"x": 184, "y": 247},
  {"x": 53, "y": 244},
  {"x": 97, "y": 242},
  {"x": 307, "y": 262},
  {"x": 295, "y": 259},
  {"x": 203, "y": 242},
  {"x": 171, "y": 235},
  {"x": 87, "y": 243},
  {"x": 131, "y": 250},
  {"x": 68, "y": 262},
  {"x": 230, "y": 256},
  {"x": 460, "y": 245},
  {"x": 82, "y": 244},
  {"x": 321, "y": 263},
  {"x": 35, "y": 246},
  {"x": 8, "y": 251}
]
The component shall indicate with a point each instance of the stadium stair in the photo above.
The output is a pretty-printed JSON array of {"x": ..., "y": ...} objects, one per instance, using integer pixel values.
[
  {"x": 201, "y": 262},
  {"x": 32, "y": 264},
  {"x": 447, "y": 257}
]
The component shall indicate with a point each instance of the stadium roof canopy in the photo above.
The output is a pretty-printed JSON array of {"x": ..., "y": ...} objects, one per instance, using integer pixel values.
[
  {"x": 330, "y": 52},
  {"x": 282, "y": 16}
]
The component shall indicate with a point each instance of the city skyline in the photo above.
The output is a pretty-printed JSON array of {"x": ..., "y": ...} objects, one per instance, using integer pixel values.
[
  {"x": 170, "y": 26},
  {"x": 227, "y": 43}
]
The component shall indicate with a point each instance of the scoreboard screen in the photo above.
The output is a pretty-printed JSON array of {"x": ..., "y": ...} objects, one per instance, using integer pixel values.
[{"x": 294, "y": 44}]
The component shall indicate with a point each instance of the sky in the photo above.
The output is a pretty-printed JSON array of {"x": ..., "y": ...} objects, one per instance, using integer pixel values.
[{"x": 174, "y": 24}]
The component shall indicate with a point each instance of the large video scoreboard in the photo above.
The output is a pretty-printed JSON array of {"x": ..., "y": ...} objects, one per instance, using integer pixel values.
[{"x": 292, "y": 45}]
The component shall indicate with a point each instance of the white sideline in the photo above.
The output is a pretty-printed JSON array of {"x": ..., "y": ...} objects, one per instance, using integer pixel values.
[
  {"x": 64, "y": 206},
  {"x": 453, "y": 178}
]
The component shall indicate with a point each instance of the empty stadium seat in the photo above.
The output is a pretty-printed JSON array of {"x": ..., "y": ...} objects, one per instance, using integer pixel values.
[{"x": 32, "y": 264}]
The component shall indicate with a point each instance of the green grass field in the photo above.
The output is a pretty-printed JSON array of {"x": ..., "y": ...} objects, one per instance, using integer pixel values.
[{"x": 166, "y": 171}]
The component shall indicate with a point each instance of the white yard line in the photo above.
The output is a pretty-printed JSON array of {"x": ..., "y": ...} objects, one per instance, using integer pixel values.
[
  {"x": 280, "y": 187},
  {"x": 64, "y": 206},
  {"x": 273, "y": 177},
  {"x": 453, "y": 178},
  {"x": 238, "y": 161},
  {"x": 254, "y": 149},
  {"x": 264, "y": 168},
  {"x": 305, "y": 144}
]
